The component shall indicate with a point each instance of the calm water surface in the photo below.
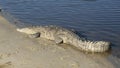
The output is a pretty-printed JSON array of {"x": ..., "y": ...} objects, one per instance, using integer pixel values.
[{"x": 95, "y": 19}]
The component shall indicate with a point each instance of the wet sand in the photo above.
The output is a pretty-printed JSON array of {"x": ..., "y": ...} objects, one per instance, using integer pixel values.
[{"x": 17, "y": 50}]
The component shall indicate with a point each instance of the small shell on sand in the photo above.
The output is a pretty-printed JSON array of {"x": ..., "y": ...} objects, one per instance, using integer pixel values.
[{"x": 4, "y": 55}]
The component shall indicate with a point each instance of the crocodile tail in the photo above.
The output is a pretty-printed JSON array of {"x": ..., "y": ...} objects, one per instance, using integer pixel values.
[{"x": 97, "y": 46}]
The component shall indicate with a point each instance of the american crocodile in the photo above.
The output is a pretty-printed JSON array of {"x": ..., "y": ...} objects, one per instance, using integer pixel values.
[{"x": 63, "y": 35}]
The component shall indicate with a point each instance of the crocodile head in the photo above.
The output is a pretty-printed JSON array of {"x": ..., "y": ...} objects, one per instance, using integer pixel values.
[{"x": 26, "y": 30}]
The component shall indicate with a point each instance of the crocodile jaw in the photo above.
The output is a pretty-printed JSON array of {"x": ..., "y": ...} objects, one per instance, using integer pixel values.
[{"x": 26, "y": 30}]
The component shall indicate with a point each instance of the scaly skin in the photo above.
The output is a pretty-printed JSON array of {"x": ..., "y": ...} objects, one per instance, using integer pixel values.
[{"x": 59, "y": 35}]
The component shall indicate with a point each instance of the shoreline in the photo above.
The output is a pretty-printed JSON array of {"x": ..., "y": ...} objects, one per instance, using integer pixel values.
[{"x": 19, "y": 51}]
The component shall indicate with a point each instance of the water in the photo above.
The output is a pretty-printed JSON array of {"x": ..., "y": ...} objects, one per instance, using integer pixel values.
[{"x": 94, "y": 19}]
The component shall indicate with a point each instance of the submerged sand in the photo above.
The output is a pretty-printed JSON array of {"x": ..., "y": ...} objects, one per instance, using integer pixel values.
[{"x": 17, "y": 50}]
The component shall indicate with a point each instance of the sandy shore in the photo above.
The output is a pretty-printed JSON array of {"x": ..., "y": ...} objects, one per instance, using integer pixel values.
[{"x": 19, "y": 51}]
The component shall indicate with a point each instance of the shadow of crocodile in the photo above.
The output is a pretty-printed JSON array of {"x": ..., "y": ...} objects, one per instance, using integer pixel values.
[{"x": 6, "y": 65}]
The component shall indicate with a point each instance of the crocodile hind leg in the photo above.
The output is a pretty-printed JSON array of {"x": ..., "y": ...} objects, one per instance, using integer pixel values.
[
  {"x": 35, "y": 35},
  {"x": 58, "y": 40}
]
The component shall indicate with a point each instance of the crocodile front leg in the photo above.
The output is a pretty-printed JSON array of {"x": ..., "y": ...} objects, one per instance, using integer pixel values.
[{"x": 35, "y": 35}]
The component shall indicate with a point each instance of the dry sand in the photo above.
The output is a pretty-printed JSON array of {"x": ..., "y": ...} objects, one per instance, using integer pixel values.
[{"x": 17, "y": 50}]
